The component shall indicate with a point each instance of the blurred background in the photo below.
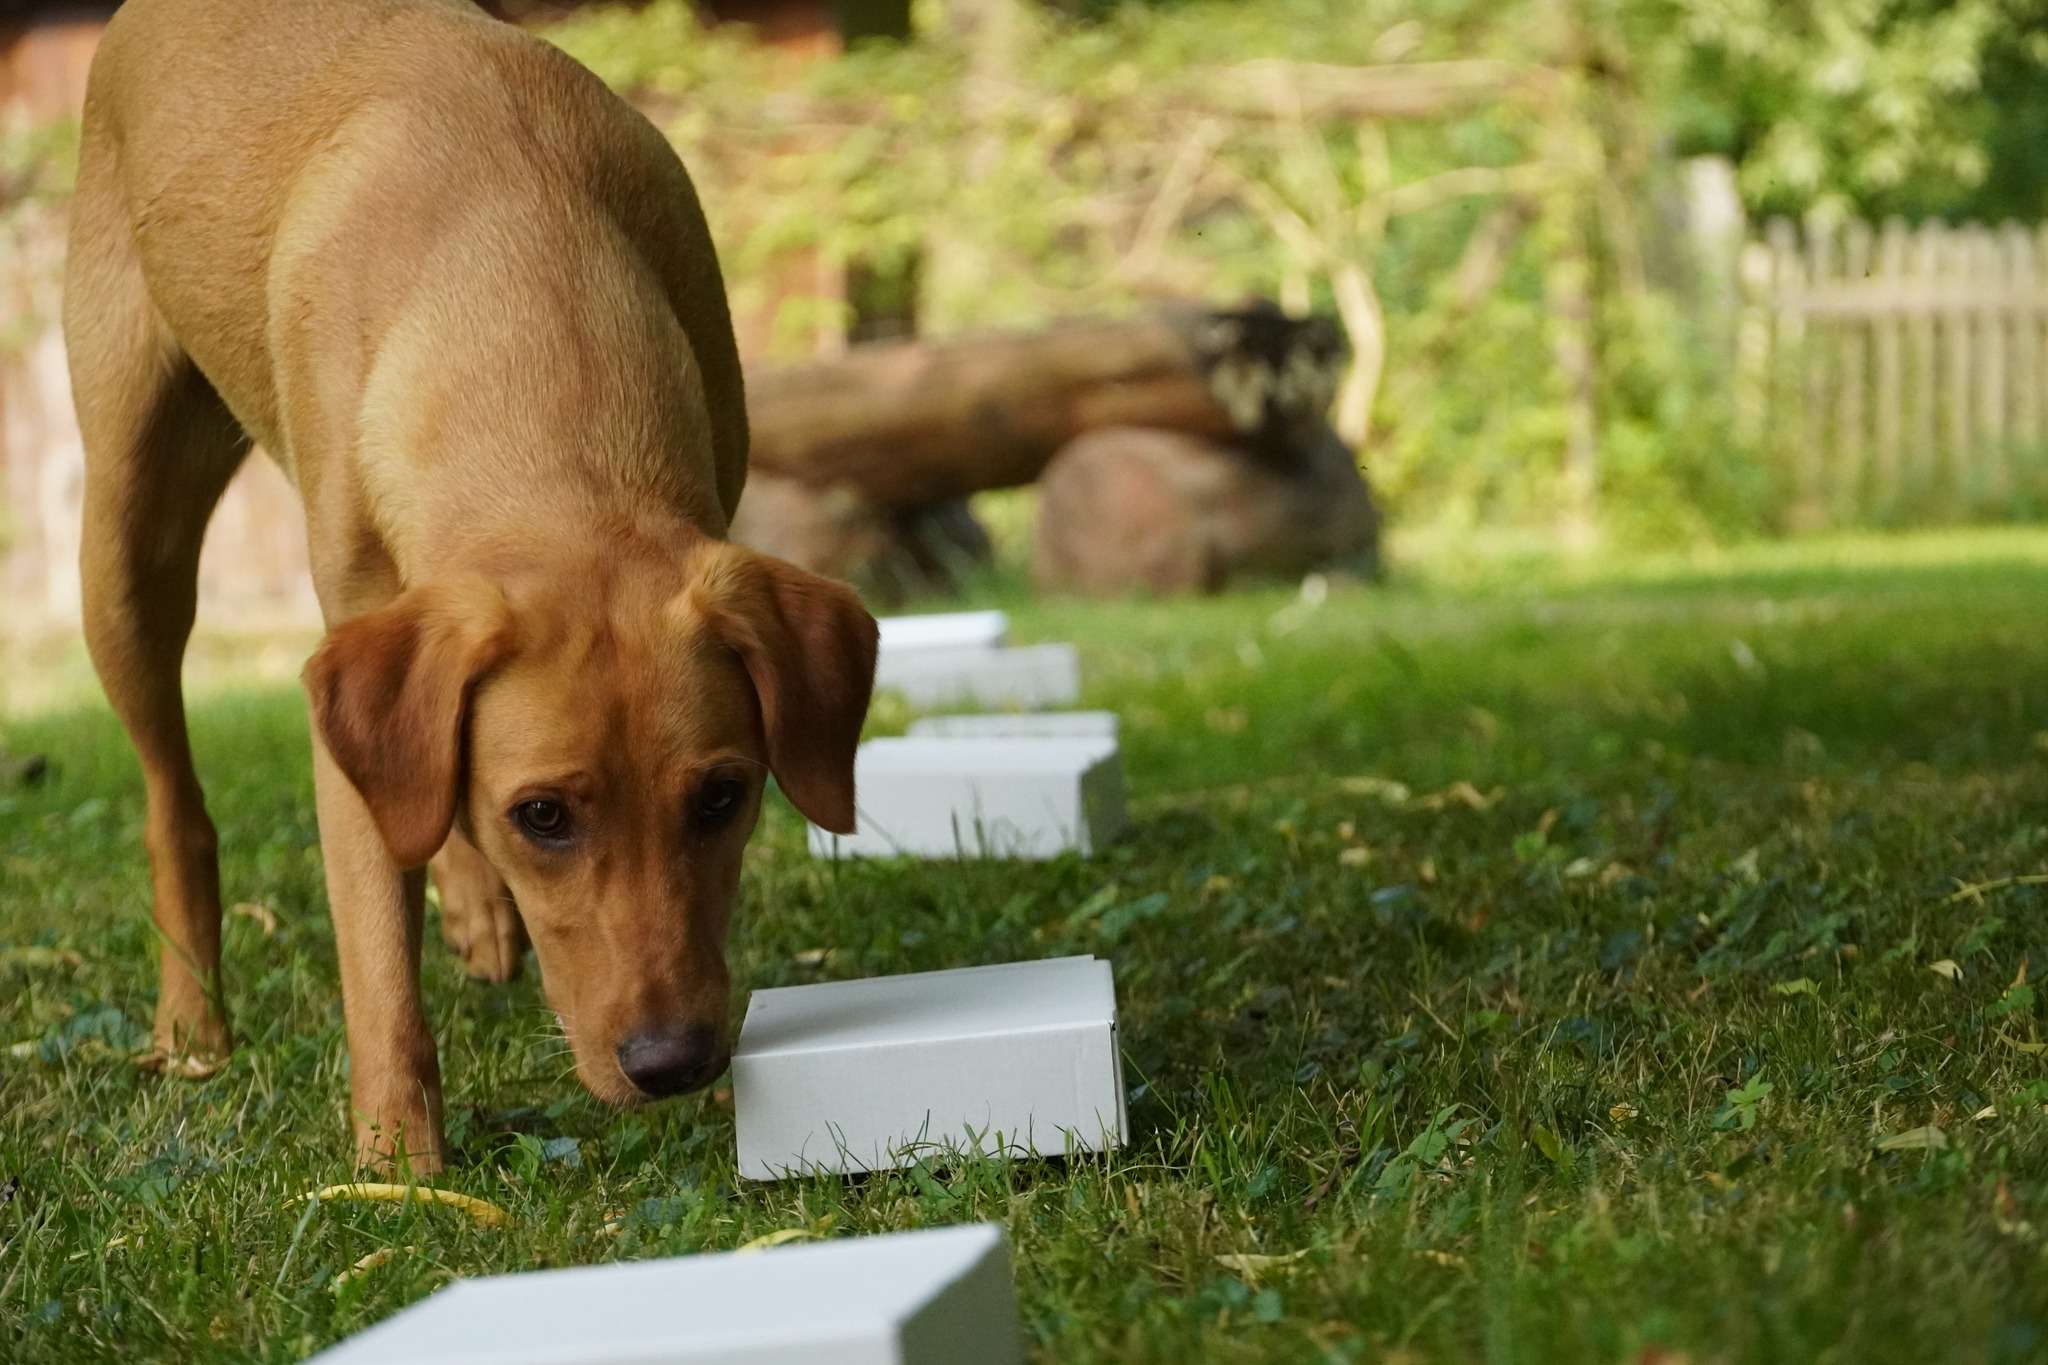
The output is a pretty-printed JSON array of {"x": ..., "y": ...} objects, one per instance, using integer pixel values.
[{"x": 1117, "y": 296}]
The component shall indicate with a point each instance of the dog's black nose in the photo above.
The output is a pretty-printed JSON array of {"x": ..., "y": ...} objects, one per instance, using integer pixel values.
[{"x": 671, "y": 1061}]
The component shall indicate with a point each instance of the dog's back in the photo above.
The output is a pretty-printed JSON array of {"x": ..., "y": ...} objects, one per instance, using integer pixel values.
[{"x": 294, "y": 172}]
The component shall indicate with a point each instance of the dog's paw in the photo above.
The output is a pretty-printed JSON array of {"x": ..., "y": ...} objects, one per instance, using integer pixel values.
[
  {"x": 409, "y": 1148},
  {"x": 190, "y": 1044},
  {"x": 186, "y": 1066},
  {"x": 493, "y": 955},
  {"x": 479, "y": 918}
]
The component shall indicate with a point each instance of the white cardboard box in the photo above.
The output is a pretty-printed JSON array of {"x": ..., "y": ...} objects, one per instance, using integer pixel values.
[
  {"x": 981, "y": 798},
  {"x": 867, "y": 1075},
  {"x": 944, "y": 630},
  {"x": 1024, "y": 676},
  {"x": 940, "y": 1297},
  {"x": 1019, "y": 725}
]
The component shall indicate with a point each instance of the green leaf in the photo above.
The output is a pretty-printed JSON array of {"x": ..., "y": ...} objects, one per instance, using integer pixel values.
[
  {"x": 1803, "y": 986},
  {"x": 2016, "y": 998},
  {"x": 1547, "y": 1143},
  {"x": 1739, "y": 1109}
]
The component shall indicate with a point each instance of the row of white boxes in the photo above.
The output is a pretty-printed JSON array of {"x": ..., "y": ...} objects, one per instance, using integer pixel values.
[
  {"x": 1014, "y": 1061},
  {"x": 847, "y": 1077},
  {"x": 1013, "y": 784}
]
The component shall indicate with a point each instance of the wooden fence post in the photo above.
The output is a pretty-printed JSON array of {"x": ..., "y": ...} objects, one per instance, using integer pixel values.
[
  {"x": 1924, "y": 272},
  {"x": 2033, "y": 317},
  {"x": 1955, "y": 319},
  {"x": 1851, "y": 339},
  {"x": 1791, "y": 420},
  {"x": 1989, "y": 288},
  {"x": 2026, "y": 337},
  {"x": 1886, "y": 293},
  {"x": 1755, "y": 267},
  {"x": 1811, "y": 508}
]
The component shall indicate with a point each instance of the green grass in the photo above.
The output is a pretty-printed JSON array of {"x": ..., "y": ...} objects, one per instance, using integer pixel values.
[{"x": 1595, "y": 1057}]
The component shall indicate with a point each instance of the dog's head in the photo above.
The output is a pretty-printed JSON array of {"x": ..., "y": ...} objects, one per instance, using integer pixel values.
[{"x": 604, "y": 744}]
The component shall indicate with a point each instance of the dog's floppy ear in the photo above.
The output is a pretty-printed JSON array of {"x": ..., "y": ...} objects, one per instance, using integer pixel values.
[
  {"x": 389, "y": 693},
  {"x": 809, "y": 646}
]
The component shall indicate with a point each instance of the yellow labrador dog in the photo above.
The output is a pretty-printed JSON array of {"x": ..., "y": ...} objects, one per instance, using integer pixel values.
[{"x": 465, "y": 296}]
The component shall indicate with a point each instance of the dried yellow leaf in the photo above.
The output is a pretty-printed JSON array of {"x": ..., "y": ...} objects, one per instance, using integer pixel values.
[
  {"x": 1251, "y": 1263},
  {"x": 1927, "y": 1139},
  {"x": 1948, "y": 967},
  {"x": 776, "y": 1239},
  {"x": 366, "y": 1264},
  {"x": 186, "y": 1066},
  {"x": 35, "y": 955},
  {"x": 1465, "y": 794},
  {"x": 481, "y": 1211},
  {"x": 265, "y": 918},
  {"x": 1385, "y": 788}
]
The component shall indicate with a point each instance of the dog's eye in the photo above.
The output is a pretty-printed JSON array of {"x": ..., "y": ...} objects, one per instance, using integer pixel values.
[
  {"x": 542, "y": 819},
  {"x": 719, "y": 798}
]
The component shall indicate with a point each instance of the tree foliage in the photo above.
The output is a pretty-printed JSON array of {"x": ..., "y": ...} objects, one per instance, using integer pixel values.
[
  {"x": 1096, "y": 154},
  {"x": 1877, "y": 106}
]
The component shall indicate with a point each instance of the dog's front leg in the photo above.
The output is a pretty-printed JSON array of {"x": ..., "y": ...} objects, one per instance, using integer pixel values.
[{"x": 394, "y": 1074}]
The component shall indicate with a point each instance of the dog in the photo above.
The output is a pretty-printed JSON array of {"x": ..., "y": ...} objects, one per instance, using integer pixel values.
[{"x": 466, "y": 298}]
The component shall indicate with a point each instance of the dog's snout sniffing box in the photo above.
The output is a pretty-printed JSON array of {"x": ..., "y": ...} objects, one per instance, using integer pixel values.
[
  {"x": 937, "y": 1297},
  {"x": 849, "y": 1076}
]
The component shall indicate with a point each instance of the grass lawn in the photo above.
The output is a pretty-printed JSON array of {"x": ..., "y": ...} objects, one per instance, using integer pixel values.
[{"x": 1613, "y": 966}]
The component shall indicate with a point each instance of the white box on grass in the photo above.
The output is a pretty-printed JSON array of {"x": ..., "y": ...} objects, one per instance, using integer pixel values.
[
  {"x": 849, "y": 1076},
  {"x": 1019, "y": 725},
  {"x": 944, "y": 630},
  {"x": 940, "y": 1297},
  {"x": 1029, "y": 798},
  {"x": 1024, "y": 676}
]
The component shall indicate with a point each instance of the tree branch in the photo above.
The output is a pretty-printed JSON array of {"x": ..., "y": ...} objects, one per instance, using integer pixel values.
[{"x": 1275, "y": 88}]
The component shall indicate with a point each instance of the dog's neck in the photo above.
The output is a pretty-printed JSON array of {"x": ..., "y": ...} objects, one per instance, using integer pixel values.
[{"x": 557, "y": 403}]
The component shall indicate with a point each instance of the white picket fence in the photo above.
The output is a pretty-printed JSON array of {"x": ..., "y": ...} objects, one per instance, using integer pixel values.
[{"x": 1899, "y": 371}]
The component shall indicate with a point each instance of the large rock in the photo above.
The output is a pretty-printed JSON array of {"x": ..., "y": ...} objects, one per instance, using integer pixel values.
[
  {"x": 1133, "y": 509},
  {"x": 891, "y": 552}
]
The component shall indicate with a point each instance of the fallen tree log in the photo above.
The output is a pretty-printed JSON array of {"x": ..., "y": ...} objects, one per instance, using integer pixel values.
[
  {"x": 912, "y": 423},
  {"x": 1123, "y": 510},
  {"x": 890, "y": 553}
]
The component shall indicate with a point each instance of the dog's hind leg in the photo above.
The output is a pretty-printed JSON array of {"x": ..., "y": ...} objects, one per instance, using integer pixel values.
[{"x": 159, "y": 449}]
